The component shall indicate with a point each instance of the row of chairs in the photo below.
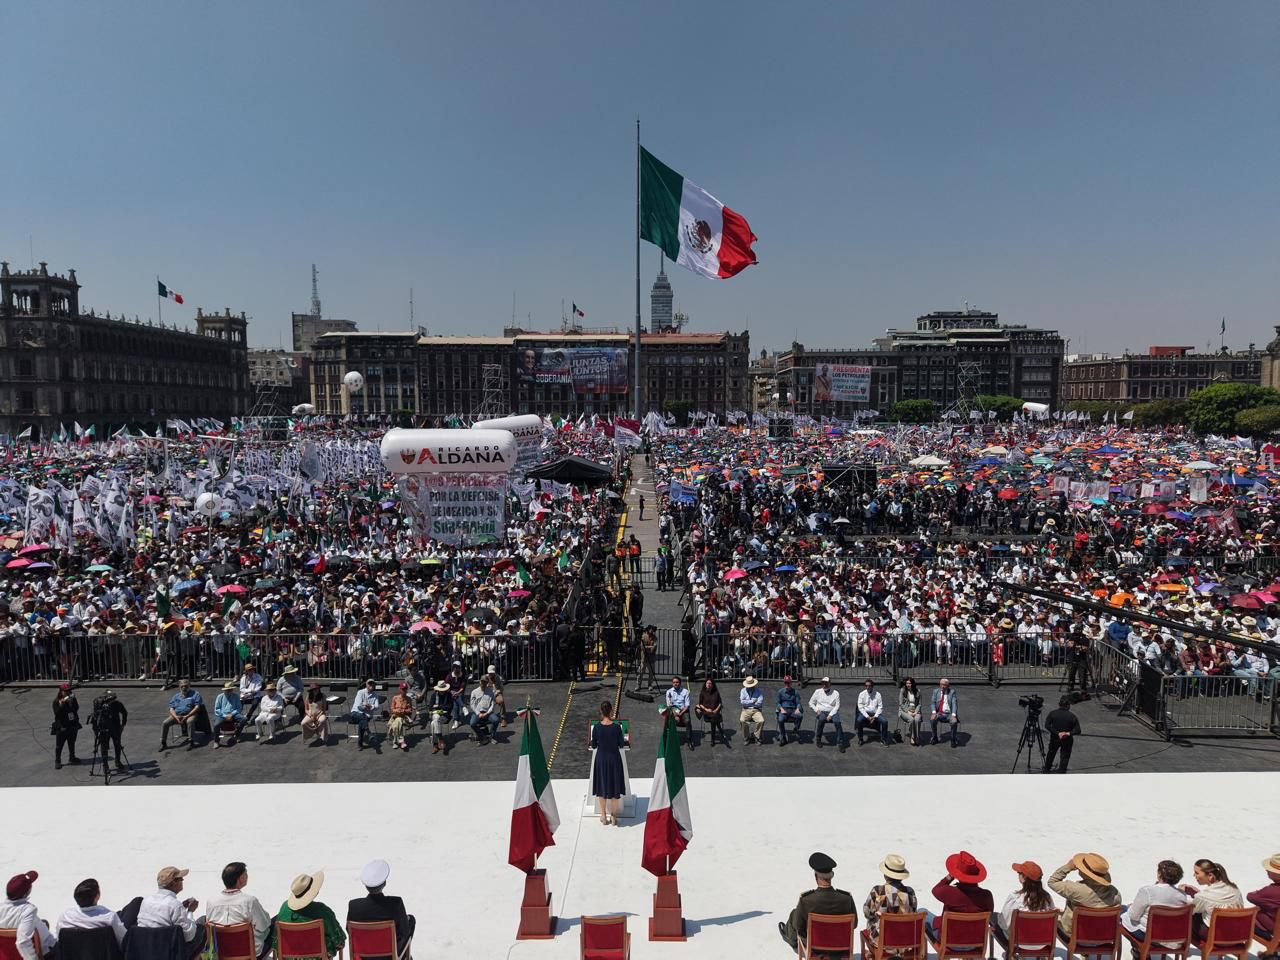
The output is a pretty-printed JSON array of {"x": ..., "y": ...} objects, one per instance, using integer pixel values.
[
  {"x": 297, "y": 941},
  {"x": 1095, "y": 933}
]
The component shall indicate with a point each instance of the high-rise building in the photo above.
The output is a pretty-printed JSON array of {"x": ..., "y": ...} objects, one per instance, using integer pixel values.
[{"x": 660, "y": 303}]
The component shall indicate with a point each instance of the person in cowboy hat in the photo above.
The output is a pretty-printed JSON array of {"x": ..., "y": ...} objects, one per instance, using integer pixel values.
[
  {"x": 439, "y": 708},
  {"x": 302, "y": 906},
  {"x": 959, "y": 890},
  {"x": 751, "y": 720},
  {"x": 227, "y": 712},
  {"x": 1267, "y": 899},
  {"x": 1093, "y": 889},
  {"x": 892, "y": 896},
  {"x": 20, "y": 914},
  {"x": 824, "y": 898},
  {"x": 291, "y": 691}
]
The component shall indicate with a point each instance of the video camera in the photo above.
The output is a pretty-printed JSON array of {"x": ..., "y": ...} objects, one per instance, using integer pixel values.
[{"x": 1033, "y": 703}]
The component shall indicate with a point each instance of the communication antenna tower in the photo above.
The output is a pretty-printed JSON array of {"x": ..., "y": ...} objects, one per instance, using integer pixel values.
[
  {"x": 493, "y": 392},
  {"x": 968, "y": 381}
]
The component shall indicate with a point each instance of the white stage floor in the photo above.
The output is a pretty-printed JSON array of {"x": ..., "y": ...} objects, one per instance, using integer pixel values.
[{"x": 447, "y": 843}]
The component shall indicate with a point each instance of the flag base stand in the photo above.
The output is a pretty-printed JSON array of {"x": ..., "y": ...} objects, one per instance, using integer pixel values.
[
  {"x": 667, "y": 923},
  {"x": 536, "y": 921}
]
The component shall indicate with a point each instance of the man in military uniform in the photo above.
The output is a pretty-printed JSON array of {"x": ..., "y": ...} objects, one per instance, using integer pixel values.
[{"x": 824, "y": 899}]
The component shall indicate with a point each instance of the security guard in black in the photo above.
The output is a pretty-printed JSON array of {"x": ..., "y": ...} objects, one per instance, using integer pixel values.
[{"x": 824, "y": 899}]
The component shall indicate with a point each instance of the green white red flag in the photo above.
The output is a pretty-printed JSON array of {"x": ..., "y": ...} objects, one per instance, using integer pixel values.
[
  {"x": 691, "y": 226},
  {"x": 167, "y": 294},
  {"x": 534, "y": 817},
  {"x": 668, "y": 827}
]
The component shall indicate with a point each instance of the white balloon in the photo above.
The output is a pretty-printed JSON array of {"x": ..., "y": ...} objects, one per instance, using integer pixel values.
[
  {"x": 354, "y": 382},
  {"x": 304, "y": 409},
  {"x": 207, "y": 503}
]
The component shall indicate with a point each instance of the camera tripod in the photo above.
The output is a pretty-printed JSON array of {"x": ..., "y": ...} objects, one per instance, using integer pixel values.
[
  {"x": 100, "y": 742},
  {"x": 1031, "y": 733}
]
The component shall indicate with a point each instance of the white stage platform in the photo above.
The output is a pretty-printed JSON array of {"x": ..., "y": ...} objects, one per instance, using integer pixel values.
[{"x": 447, "y": 843}]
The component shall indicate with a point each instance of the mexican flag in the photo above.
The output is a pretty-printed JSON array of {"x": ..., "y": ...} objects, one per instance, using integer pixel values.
[
  {"x": 668, "y": 827},
  {"x": 534, "y": 817},
  {"x": 692, "y": 227},
  {"x": 168, "y": 294}
]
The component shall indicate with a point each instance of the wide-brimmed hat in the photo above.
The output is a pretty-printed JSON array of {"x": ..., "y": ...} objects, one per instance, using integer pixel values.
[
  {"x": 750, "y": 682},
  {"x": 304, "y": 888},
  {"x": 1006, "y": 624},
  {"x": 1273, "y": 864},
  {"x": 290, "y": 669},
  {"x": 894, "y": 867},
  {"x": 1094, "y": 866},
  {"x": 228, "y": 686},
  {"x": 441, "y": 687},
  {"x": 966, "y": 868}
]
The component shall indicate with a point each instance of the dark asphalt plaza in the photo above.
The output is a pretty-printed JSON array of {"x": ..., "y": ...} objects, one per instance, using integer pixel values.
[{"x": 991, "y": 725}]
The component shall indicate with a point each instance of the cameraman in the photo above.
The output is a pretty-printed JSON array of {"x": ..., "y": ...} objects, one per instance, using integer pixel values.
[
  {"x": 108, "y": 719},
  {"x": 1080, "y": 661},
  {"x": 1063, "y": 727}
]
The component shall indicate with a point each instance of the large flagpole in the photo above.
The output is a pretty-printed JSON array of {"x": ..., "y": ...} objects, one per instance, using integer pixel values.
[
  {"x": 636, "y": 355},
  {"x": 159, "y": 303}
]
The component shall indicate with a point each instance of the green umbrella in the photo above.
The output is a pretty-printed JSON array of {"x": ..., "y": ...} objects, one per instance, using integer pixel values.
[
  {"x": 100, "y": 568},
  {"x": 268, "y": 583}
]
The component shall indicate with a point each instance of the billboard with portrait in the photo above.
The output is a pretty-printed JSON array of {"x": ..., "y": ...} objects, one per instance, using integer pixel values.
[
  {"x": 589, "y": 370},
  {"x": 841, "y": 381}
]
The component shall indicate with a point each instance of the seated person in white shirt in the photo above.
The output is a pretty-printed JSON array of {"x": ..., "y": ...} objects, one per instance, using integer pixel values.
[
  {"x": 871, "y": 712},
  {"x": 677, "y": 700},
  {"x": 250, "y": 690},
  {"x": 87, "y": 914},
  {"x": 164, "y": 909},
  {"x": 367, "y": 706},
  {"x": 20, "y": 914},
  {"x": 1163, "y": 893},
  {"x": 233, "y": 906},
  {"x": 270, "y": 710}
]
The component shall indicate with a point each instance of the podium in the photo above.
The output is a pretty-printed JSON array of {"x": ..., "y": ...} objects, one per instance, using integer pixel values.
[
  {"x": 667, "y": 923},
  {"x": 536, "y": 921}
]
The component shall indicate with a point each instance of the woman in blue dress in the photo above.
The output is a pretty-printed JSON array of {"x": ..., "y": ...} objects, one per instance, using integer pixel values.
[{"x": 606, "y": 776}]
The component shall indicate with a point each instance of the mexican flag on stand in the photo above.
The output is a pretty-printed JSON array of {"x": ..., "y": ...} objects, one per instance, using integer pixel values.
[
  {"x": 668, "y": 828},
  {"x": 534, "y": 817},
  {"x": 692, "y": 227}
]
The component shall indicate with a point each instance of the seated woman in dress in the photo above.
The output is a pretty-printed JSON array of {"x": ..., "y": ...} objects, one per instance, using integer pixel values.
[
  {"x": 315, "y": 722},
  {"x": 607, "y": 774},
  {"x": 711, "y": 708},
  {"x": 910, "y": 710}
]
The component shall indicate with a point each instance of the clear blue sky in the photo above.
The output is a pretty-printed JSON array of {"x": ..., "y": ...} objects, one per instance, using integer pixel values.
[{"x": 1111, "y": 169}]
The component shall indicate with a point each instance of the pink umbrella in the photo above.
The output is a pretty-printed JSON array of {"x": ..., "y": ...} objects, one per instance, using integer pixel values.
[
  {"x": 426, "y": 625},
  {"x": 735, "y": 573},
  {"x": 232, "y": 588},
  {"x": 152, "y": 498},
  {"x": 1266, "y": 596},
  {"x": 34, "y": 548},
  {"x": 18, "y": 564},
  {"x": 518, "y": 593}
]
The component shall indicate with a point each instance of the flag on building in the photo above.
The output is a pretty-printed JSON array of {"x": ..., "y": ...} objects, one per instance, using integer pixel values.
[
  {"x": 692, "y": 227},
  {"x": 577, "y": 312},
  {"x": 534, "y": 817},
  {"x": 166, "y": 293},
  {"x": 668, "y": 827}
]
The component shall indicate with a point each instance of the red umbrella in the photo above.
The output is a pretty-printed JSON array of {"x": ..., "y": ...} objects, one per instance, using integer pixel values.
[
  {"x": 735, "y": 573},
  {"x": 18, "y": 564},
  {"x": 1266, "y": 596},
  {"x": 232, "y": 588},
  {"x": 34, "y": 548},
  {"x": 1245, "y": 601},
  {"x": 1152, "y": 509},
  {"x": 1008, "y": 493}
]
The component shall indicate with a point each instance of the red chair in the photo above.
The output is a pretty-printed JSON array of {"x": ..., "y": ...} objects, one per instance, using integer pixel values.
[
  {"x": 829, "y": 935},
  {"x": 301, "y": 941},
  {"x": 962, "y": 935},
  {"x": 1230, "y": 933},
  {"x": 9, "y": 944},
  {"x": 1269, "y": 947},
  {"x": 605, "y": 938},
  {"x": 1032, "y": 933},
  {"x": 901, "y": 936},
  {"x": 233, "y": 941},
  {"x": 1168, "y": 933},
  {"x": 1094, "y": 931},
  {"x": 373, "y": 939}
]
